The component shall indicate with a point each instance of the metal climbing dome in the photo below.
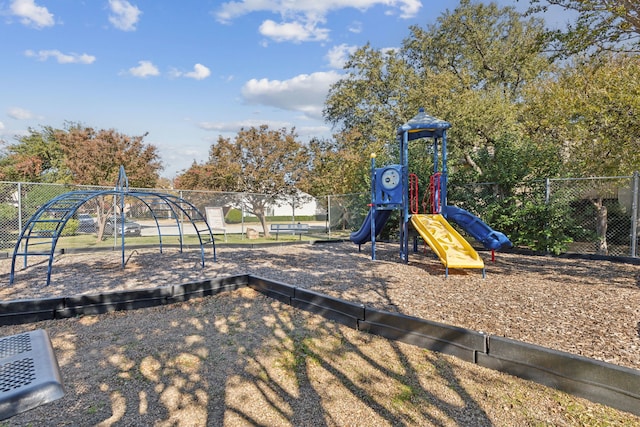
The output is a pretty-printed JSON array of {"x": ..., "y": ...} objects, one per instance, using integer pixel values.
[{"x": 40, "y": 234}]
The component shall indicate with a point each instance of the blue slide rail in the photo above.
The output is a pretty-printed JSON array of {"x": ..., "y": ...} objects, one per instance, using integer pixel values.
[
  {"x": 480, "y": 231},
  {"x": 364, "y": 234}
]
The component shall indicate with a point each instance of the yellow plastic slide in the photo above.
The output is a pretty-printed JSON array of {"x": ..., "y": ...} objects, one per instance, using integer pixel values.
[{"x": 452, "y": 249}]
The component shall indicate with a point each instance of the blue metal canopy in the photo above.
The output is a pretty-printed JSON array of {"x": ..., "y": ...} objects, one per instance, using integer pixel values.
[{"x": 423, "y": 125}]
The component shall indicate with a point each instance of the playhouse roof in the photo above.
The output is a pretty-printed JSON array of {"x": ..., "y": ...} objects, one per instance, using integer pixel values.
[{"x": 423, "y": 125}]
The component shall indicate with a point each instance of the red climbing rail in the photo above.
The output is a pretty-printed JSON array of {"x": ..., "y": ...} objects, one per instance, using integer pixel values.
[
  {"x": 434, "y": 190},
  {"x": 413, "y": 193}
]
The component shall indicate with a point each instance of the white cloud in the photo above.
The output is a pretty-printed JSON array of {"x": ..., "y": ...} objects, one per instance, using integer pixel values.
[
  {"x": 305, "y": 93},
  {"x": 338, "y": 55},
  {"x": 313, "y": 131},
  {"x": 355, "y": 27},
  {"x": 19, "y": 113},
  {"x": 62, "y": 58},
  {"x": 199, "y": 72},
  {"x": 124, "y": 16},
  {"x": 313, "y": 9},
  {"x": 230, "y": 129},
  {"x": 1, "y": 126},
  {"x": 301, "y": 20},
  {"x": 293, "y": 31},
  {"x": 236, "y": 126},
  {"x": 144, "y": 69},
  {"x": 31, "y": 14}
]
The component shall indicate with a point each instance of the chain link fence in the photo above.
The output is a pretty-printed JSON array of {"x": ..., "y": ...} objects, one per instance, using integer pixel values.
[
  {"x": 596, "y": 215},
  {"x": 603, "y": 213},
  {"x": 588, "y": 215}
]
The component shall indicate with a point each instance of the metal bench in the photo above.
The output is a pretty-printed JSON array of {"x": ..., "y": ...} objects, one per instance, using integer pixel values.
[
  {"x": 29, "y": 373},
  {"x": 298, "y": 229}
]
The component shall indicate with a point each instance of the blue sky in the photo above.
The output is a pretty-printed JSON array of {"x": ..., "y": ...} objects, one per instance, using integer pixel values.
[{"x": 187, "y": 72}]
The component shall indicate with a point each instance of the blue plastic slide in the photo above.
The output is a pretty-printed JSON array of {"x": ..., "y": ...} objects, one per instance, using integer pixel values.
[
  {"x": 480, "y": 231},
  {"x": 364, "y": 234}
]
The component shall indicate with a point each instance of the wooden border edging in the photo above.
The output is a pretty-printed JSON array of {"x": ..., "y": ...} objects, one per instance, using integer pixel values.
[
  {"x": 33, "y": 310},
  {"x": 598, "y": 381},
  {"x": 341, "y": 311},
  {"x": 434, "y": 336},
  {"x": 602, "y": 382}
]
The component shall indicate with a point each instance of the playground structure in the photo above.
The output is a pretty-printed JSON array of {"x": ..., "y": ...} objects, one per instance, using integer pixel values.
[
  {"x": 394, "y": 188},
  {"x": 41, "y": 232}
]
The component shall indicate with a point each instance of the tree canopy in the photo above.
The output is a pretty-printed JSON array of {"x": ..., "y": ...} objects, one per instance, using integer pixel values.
[
  {"x": 80, "y": 155},
  {"x": 94, "y": 157},
  {"x": 469, "y": 68},
  {"x": 35, "y": 157},
  {"x": 264, "y": 164},
  {"x": 601, "y": 25},
  {"x": 590, "y": 109}
]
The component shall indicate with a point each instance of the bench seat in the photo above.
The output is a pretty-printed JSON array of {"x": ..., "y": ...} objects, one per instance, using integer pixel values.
[{"x": 298, "y": 228}]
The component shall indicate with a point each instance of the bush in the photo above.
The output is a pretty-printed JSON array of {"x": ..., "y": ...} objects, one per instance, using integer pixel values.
[
  {"x": 234, "y": 216},
  {"x": 8, "y": 216},
  {"x": 537, "y": 226},
  {"x": 70, "y": 228}
]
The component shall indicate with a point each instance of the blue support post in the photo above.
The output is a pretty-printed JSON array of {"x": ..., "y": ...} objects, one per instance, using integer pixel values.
[
  {"x": 444, "y": 178},
  {"x": 404, "y": 229},
  {"x": 372, "y": 208}
]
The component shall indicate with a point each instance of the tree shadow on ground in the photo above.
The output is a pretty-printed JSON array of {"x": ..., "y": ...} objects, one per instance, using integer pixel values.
[{"x": 241, "y": 358}]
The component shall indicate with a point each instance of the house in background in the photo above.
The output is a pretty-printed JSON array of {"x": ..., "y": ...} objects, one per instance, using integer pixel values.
[{"x": 302, "y": 204}]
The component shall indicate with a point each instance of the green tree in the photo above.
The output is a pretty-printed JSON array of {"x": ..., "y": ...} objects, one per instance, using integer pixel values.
[
  {"x": 339, "y": 167},
  {"x": 266, "y": 165},
  {"x": 469, "y": 68},
  {"x": 336, "y": 166},
  {"x": 35, "y": 157},
  {"x": 94, "y": 157},
  {"x": 478, "y": 58},
  {"x": 601, "y": 25},
  {"x": 368, "y": 104},
  {"x": 590, "y": 110},
  {"x": 511, "y": 196}
]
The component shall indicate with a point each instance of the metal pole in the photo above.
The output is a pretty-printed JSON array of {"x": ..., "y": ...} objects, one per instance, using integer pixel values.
[
  {"x": 122, "y": 219},
  {"x": 404, "y": 229},
  {"x": 547, "y": 198},
  {"x": 444, "y": 179},
  {"x": 634, "y": 213},
  {"x": 547, "y": 191},
  {"x": 372, "y": 207},
  {"x": 19, "y": 201},
  {"x": 242, "y": 218},
  {"x": 115, "y": 223},
  {"x": 328, "y": 216},
  {"x": 181, "y": 216}
]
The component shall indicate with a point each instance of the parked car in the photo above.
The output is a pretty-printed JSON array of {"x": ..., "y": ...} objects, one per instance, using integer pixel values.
[
  {"x": 86, "y": 224},
  {"x": 131, "y": 228}
]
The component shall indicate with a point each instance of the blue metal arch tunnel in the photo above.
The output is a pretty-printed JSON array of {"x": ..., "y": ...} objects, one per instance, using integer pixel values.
[{"x": 40, "y": 234}]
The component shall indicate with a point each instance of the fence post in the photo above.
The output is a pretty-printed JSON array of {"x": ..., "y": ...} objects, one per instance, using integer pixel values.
[
  {"x": 547, "y": 188},
  {"x": 181, "y": 219},
  {"x": 244, "y": 197},
  {"x": 329, "y": 215},
  {"x": 19, "y": 201},
  {"x": 634, "y": 213},
  {"x": 547, "y": 198}
]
